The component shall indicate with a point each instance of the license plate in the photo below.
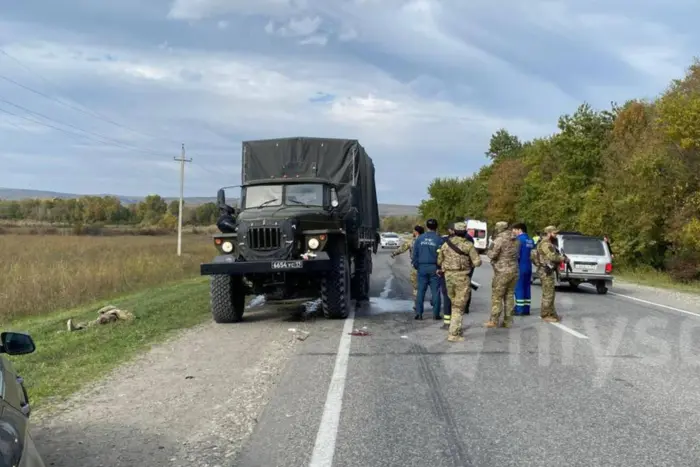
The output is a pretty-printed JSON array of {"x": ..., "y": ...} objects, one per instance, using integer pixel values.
[
  {"x": 287, "y": 264},
  {"x": 583, "y": 269}
]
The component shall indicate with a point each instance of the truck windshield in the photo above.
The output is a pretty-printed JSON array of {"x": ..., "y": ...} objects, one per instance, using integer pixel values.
[
  {"x": 310, "y": 194},
  {"x": 583, "y": 246},
  {"x": 267, "y": 195}
]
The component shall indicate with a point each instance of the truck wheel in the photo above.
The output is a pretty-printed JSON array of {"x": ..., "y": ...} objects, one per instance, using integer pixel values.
[
  {"x": 600, "y": 288},
  {"x": 335, "y": 288},
  {"x": 227, "y": 298}
]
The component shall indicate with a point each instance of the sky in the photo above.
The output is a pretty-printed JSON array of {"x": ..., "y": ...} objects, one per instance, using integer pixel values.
[{"x": 98, "y": 96}]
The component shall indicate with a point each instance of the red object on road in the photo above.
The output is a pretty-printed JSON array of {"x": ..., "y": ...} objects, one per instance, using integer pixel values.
[{"x": 357, "y": 332}]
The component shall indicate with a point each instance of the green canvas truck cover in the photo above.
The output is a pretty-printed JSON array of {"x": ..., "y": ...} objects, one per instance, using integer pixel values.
[{"x": 341, "y": 162}]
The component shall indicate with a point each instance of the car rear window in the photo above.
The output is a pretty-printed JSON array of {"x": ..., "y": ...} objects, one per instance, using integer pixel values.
[
  {"x": 583, "y": 246},
  {"x": 390, "y": 236}
]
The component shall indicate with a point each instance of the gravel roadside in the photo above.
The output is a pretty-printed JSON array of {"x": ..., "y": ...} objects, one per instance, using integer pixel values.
[{"x": 190, "y": 401}]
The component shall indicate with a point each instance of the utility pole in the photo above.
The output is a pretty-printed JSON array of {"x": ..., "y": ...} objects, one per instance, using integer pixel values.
[{"x": 182, "y": 161}]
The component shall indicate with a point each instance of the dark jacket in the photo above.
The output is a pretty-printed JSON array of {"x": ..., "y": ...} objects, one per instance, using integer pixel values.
[{"x": 425, "y": 249}]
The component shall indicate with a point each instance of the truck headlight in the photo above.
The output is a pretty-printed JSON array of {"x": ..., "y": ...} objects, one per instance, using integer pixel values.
[
  {"x": 313, "y": 243},
  {"x": 227, "y": 247}
]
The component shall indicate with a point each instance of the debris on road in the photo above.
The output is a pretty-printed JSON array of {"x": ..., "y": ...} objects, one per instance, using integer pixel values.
[
  {"x": 257, "y": 301},
  {"x": 359, "y": 332},
  {"x": 300, "y": 334},
  {"x": 404, "y": 337}
]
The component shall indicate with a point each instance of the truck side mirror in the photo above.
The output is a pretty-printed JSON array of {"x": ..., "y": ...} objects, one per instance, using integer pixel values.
[
  {"x": 221, "y": 198},
  {"x": 16, "y": 343}
]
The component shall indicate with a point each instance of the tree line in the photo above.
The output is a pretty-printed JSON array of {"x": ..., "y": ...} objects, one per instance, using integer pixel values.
[
  {"x": 86, "y": 210},
  {"x": 152, "y": 211},
  {"x": 629, "y": 172}
]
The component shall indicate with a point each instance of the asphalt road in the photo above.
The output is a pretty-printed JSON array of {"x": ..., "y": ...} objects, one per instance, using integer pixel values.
[{"x": 614, "y": 384}]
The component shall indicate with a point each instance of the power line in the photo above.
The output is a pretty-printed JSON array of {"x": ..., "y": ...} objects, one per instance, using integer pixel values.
[
  {"x": 84, "y": 110},
  {"x": 102, "y": 137}
]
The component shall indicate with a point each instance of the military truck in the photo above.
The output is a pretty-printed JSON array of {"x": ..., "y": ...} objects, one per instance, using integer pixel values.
[{"x": 308, "y": 225}]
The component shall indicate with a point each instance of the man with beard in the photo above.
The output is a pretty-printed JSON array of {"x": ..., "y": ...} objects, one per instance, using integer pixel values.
[{"x": 547, "y": 258}]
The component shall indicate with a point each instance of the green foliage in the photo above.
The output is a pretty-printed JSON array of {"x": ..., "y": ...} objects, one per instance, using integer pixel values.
[
  {"x": 631, "y": 172},
  {"x": 400, "y": 223},
  {"x": 92, "y": 210}
]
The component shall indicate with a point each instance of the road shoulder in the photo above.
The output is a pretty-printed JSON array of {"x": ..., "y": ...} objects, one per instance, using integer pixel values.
[{"x": 196, "y": 397}]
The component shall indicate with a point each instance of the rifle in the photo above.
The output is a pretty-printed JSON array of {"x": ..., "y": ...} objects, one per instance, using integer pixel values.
[
  {"x": 566, "y": 262},
  {"x": 455, "y": 248}
]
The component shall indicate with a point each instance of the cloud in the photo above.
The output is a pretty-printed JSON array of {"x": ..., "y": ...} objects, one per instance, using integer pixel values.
[{"x": 421, "y": 83}]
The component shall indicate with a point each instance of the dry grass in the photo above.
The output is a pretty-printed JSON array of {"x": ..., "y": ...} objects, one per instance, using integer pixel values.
[{"x": 42, "y": 274}]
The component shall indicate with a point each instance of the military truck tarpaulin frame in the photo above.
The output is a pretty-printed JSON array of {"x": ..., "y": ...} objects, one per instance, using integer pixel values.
[{"x": 316, "y": 247}]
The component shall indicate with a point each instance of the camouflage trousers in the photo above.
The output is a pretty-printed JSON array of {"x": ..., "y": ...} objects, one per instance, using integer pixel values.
[
  {"x": 414, "y": 283},
  {"x": 547, "y": 309},
  {"x": 503, "y": 296},
  {"x": 459, "y": 292}
]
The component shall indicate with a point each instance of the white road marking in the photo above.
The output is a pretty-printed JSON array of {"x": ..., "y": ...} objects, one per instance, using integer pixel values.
[
  {"x": 324, "y": 449},
  {"x": 655, "y": 304},
  {"x": 569, "y": 330}
]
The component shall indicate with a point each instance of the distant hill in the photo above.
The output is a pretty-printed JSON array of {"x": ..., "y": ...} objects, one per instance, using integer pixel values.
[{"x": 18, "y": 194}]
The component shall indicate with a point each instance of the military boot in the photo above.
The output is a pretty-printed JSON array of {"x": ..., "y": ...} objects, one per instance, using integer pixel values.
[
  {"x": 506, "y": 324},
  {"x": 551, "y": 319},
  {"x": 491, "y": 324},
  {"x": 455, "y": 338}
]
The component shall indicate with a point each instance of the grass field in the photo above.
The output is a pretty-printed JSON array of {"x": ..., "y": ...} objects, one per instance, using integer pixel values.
[
  {"x": 40, "y": 274},
  {"x": 65, "y": 361}
]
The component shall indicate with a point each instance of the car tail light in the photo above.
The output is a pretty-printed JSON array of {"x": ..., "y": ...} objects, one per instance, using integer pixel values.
[
  {"x": 608, "y": 268},
  {"x": 562, "y": 266}
]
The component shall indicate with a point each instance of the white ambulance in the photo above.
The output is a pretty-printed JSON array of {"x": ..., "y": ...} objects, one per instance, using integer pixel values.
[{"x": 478, "y": 230}]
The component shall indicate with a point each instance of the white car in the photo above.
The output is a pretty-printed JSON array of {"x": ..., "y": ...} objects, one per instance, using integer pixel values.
[{"x": 390, "y": 240}]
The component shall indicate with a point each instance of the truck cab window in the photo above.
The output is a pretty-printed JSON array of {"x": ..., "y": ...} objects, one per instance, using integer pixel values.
[
  {"x": 307, "y": 193},
  {"x": 269, "y": 195}
]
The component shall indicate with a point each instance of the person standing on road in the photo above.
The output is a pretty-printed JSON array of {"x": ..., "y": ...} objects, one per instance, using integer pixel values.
[
  {"x": 408, "y": 246},
  {"x": 447, "y": 303},
  {"x": 522, "y": 288},
  {"x": 424, "y": 261},
  {"x": 504, "y": 256},
  {"x": 457, "y": 258},
  {"x": 546, "y": 257}
]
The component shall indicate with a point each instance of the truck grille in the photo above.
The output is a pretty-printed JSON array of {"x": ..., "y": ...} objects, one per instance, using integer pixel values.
[{"x": 264, "y": 238}]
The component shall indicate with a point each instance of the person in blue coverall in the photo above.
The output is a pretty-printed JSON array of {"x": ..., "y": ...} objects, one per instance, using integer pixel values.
[
  {"x": 424, "y": 261},
  {"x": 447, "y": 312},
  {"x": 522, "y": 288}
]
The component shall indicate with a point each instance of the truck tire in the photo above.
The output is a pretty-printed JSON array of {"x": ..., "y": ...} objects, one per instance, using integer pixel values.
[
  {"x": 227, "y": 298},
  {"x": 335, "y": 288},
  {"x": 360, "y": 289}
]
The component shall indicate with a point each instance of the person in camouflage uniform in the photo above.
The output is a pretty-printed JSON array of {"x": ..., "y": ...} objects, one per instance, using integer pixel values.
[
  {"x": 408, "y": 246},
  {"x": 547, "y": 258},
  {"x": 504, "y": 254},
  {"x": 105, "y": 315},
  {"x": 456, "y": 267}
]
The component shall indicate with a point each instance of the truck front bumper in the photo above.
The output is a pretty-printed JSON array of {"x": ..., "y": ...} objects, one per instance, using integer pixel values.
[{"x": 226, "y": 264}]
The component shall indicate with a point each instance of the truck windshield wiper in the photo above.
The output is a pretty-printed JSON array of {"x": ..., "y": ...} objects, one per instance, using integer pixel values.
[
  {"x": 295, "y": 201},
  {"x": 266, "y": 203}
]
